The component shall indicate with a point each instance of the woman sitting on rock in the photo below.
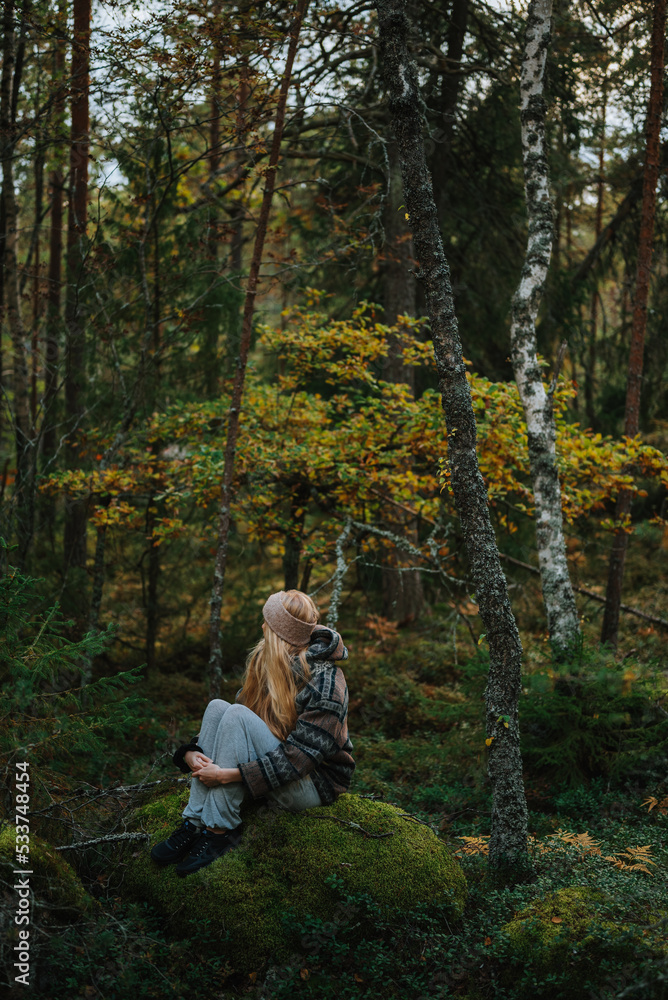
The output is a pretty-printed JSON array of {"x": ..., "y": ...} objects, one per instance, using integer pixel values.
[{"x": 286, "y": 738}]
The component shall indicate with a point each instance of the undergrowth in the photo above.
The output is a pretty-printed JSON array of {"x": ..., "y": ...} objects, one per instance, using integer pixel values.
[{"x": 595, "y": 747}]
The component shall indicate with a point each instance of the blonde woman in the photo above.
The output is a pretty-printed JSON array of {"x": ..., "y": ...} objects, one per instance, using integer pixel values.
[{"x": 285, "y": 739}]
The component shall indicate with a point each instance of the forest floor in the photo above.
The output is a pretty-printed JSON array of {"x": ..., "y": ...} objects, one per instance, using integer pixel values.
[{"x": 595, "y": 752}]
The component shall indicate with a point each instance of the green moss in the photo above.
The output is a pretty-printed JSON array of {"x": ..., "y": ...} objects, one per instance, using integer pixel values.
[
  {"x": 283, "y": 865},
  {"x": 574, "y": 929},
  {"x": 53, "y": 880}
]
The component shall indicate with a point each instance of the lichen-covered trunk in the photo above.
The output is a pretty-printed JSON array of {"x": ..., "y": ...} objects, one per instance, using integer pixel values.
[
  {"x": 508, "y": 843},
  {"x": 234, "y": 412},
  {"x": 562, "y": 616},
  {"x": 613, "y": 594}
]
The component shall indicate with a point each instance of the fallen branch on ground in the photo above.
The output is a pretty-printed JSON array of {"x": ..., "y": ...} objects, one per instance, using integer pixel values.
[
  {"x": 353, "y": 826},
  {"x": 104, "y": 840}
]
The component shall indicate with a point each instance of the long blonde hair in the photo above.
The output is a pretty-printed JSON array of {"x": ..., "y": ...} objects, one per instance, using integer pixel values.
[{"x": 270, "y": 683}]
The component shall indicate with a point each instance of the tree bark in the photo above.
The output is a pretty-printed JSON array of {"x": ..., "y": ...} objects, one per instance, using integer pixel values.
[
  {"x": 508, "y": 842},
  {"x": 292, "y": 548},
  {"x": 237, "y": 214},
  {"x": 76, "y": 515},
  {"x": 152, "y": 512},
  {"x": 398, "y": 280},
  {"x": 9, "y": 88},
  {"x": 53, "y": 322},
  {"x": 450, "y": 83},
  {"x": 213, "y": 312},
  {"x": 154, "y": 507},
  {"x": 403, "y": 597},
  {"x": 3, "y": 243},
  {"x": 537, "y": 402},
  {"x": 36, "y": 291},
  {"x": 613, "y": 596},
  {"x": 590, "y": 369},
  {"x": 224, "y": 517}
]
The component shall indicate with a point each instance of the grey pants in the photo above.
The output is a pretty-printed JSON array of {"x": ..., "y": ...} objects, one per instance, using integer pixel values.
[{"x": 233, "y": 735}]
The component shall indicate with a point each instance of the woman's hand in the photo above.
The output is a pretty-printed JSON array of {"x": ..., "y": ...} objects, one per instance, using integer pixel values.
[
  {"x": 195, "y": 759},
  {"x": 210, "y": 774}
]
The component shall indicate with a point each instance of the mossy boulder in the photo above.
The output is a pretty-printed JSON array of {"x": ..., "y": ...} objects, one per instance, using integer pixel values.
[
  {"x": 53, "y": 881},
  {"x": 572, "y": 934},
  {"x": 285, "y": 864}
]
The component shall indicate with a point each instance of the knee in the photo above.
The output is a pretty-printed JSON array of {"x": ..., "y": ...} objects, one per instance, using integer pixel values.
[
  {"x": 237, "y": 716},
  {"x": 216, "y": 709}
]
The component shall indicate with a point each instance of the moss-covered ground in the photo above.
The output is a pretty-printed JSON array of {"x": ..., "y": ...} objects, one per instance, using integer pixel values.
[{"x": 288, "y": 864}]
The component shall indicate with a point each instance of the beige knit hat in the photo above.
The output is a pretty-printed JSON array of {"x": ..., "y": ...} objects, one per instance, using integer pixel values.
[{"x": 291, "y": 629}]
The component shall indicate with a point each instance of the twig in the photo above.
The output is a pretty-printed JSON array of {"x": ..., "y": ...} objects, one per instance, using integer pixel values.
[
  {"x": 353, "y": 826},
  {"x": 104, "y": 840},
  {"x": 414, "y": 819},
  {"x": 654, "y": 619}
]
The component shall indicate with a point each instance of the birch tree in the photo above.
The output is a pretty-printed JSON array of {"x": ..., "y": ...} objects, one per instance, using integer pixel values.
[
  {"x": 562, "y": 613},
  {"x": 508, "y": 842}
]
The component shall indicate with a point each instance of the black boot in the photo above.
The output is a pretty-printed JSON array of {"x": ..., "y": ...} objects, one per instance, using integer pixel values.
[
  {"x": 177, "y": 845},
  {"x": 208, "y": 847}
]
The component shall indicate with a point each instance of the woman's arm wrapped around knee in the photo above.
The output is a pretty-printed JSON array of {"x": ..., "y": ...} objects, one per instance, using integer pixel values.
[{"x": 179, "y": 758}]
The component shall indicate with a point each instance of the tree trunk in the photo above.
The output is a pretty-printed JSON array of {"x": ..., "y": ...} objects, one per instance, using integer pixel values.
[
  {"x": 152, "y": 513},
  {"x": 3, "y": 244},
  {"x": 154, "y": 507},
  {"x": 76, "y": 515},
  {"x": 590, "y": 370},
  {"x": 36, "y": 292},
  {"x": 53, "y": 329},
  {"x": 403, "y": 598},
  {"x": 237, "y": 215},
  {"x": 292, "y": 549},
  {"x": 613, "y": 596},
  {"x": 508, "y": 842},
  {"x": 9, "y": 89},
  {"x": 213, "y": 310},
  {"x": 450, "y": 82},
  {"x": 398, "y": 280},
  {"x": 562, "y": 616},
  {"x": 224, "y": 517}
]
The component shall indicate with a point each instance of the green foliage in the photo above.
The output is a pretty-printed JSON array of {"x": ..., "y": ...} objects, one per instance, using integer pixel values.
[
  {"x": 46, "y": 717},
  {"x": 573, "y": 926},
  {"x": 591, "y": 718}
]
